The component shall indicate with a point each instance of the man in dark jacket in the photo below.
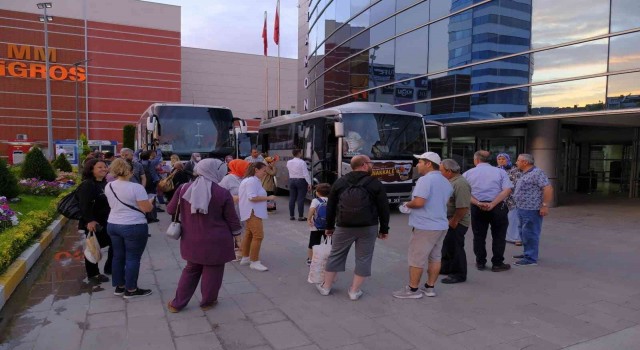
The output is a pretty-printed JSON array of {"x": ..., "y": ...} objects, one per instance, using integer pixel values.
[{"x": 357, "y": 205}]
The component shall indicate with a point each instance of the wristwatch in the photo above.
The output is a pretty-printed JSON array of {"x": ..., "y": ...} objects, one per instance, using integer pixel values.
[{"x": 544, "y": 204}]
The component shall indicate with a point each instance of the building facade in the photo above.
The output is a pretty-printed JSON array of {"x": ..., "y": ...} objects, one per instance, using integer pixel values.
[{"x": 558, "y": 79}]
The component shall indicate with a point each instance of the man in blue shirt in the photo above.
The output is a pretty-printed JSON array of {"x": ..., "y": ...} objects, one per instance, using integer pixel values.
[
  {"x": 532, "y": 195},
  {"x": 428, "y": 217},
  {"x": 490, "y": 186}
]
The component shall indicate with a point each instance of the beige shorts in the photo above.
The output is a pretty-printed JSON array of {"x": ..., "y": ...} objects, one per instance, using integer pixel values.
[{"x": 425, "y": 245}]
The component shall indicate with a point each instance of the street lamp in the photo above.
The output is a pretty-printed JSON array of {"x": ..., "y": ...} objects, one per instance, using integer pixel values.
[
  {"x": 77, "y": 111},
  {"x": 46, "y": 19}
]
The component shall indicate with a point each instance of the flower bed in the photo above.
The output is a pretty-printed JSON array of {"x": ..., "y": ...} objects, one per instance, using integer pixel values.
[
  {"x": 41, "y": 187},
  {"x": 8, "y": 217}
]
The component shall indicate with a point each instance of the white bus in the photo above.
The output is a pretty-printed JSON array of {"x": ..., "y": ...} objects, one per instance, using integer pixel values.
[
  {"x": 184, "y": 129},
  {"x": 330, "y": 138}
]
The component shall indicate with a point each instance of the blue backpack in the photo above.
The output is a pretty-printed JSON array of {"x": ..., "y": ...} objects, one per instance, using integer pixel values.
[{"x": 320, "y": 217}]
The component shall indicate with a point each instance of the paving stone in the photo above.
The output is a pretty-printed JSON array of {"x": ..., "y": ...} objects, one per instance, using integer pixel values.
[
  {"x": 59, "y": 334},
  {"x": 625, "y": 339},
  {"x": 149, "y": 332},
  {"x": 239, "y": 335},
  {"x": 107, "y": 319},
  {"x": 190, "y": 326},
  {"x": 252, "y": 302},
  {"x": 283, "y": 335},
  {"x": 106, "y": 305},
  {"x": 105, "y": 338},
  {"x": 144, "y": 306},
  {"x": 605, "y": 320},
  {"x": 226, "y": 311},
  {"x": 267, "y": 316},
  {"x": 616, "y": 310},
  {"x": 203, "y": 341},
  {"x": 529, "y": 343},
  {"x": 239, "y": 288}
]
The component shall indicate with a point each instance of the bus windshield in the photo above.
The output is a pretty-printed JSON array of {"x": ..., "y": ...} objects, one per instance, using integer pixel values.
[
  {"x": 383, "y": 136},
  {"x": 189, "y": 129}
]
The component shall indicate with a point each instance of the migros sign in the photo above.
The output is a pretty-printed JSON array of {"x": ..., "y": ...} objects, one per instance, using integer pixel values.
[{"x": 20, "y": 69}]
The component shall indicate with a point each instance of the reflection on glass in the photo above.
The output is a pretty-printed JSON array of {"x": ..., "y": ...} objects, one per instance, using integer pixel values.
[
  {"x": 569, "y": 97},
  {"x": 360, "y": 23},
  {"x": 624, "y": 14},
  {"x": 382, "y": 10},
  {"x": 556, "y": 22},
  {"x": 402, "y": 4},
  {"x": 410, "y": 19},
  {"x": 623, "y": 91},
  {"x": 382, "y": 136},
  {"x": 343, "y": 10},
  {"x": 439, "y": 9},
  {"x": 358, "y": 5},
  {"x": 438, "y": 49},
  {"x": 411, "y": 52},
  {"x": 570, "y": 61},
  {"x": 624, "y": 52}
]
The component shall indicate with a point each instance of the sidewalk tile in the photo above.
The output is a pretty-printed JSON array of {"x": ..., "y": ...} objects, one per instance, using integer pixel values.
[
  {"x": 252, "y": 302},
  {"x": 385, "y": 341},
  {"x": 267, "y": 316},
  {"x": 204, "y": 341},
  {"x": 226, "y": 311},
  {"x": 239, "y": 288},
  {"x": 111, "y": 338},
  {"x": 239, "y": 335},
  {"x": 145, "y": 306},
  {"x": 106, "y": 305},
  {"x": 190, "y": 326},
  {"x": 106, "y": 319},
  {"x": 283, "y": 335}
]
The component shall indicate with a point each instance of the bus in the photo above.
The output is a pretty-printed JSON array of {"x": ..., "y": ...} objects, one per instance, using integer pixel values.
[
  {"x": 331, "y": 137},
  {"x": 184, "y": 129},
  {"x": 244, "y": 142}
]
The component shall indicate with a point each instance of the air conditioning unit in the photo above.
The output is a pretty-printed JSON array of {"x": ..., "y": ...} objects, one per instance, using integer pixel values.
[{"x": 21, "y": 137}]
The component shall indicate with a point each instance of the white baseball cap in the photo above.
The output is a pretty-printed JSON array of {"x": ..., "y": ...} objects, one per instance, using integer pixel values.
[{"x": 430, "y": 156}]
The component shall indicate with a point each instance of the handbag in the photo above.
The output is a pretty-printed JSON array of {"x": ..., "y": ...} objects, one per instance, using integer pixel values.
[
  {"x": 92, "y": 248},
  {"x": 175, "y": 228},
  {"x": 320, "y": 256},
  {"x": 166, "y": 184},
  {"x": 69, "y": 206}
]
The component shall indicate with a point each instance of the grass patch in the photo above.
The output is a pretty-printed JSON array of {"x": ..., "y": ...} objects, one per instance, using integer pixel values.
[{"x": 29, "y": 203}]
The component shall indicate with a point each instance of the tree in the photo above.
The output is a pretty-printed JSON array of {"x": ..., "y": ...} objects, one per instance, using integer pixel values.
[
  {"x": 84, "y": 150},
  {"x": 37, "y": 166},
  {"x": 128, "y": 136},
  {"x": 62, "y": 163},
  {"x": 8, "y": 182}
]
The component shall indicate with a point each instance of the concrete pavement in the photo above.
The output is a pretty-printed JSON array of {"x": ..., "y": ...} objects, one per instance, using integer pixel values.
[{"x": 585, "y": 293}]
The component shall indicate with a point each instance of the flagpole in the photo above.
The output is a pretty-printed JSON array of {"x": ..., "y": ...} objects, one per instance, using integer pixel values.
[
  {"x": 266, "y": 71},
  {"x": 278, "y": 11}
]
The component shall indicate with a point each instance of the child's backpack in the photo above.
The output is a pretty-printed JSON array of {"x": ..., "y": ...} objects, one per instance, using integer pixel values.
[{"x": 320, "y": 217}]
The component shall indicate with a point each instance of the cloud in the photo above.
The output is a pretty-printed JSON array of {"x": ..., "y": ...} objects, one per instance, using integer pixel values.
[{"x": 237, "y": 25}]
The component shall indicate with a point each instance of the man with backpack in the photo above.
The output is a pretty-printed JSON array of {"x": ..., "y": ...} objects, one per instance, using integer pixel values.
[{"x": 357, "y": 205}]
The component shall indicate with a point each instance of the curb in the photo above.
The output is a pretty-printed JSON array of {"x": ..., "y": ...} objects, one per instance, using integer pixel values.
[{"x": 18, "y": 269}]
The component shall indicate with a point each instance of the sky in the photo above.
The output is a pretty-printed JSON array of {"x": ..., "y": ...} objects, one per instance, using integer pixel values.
[{"x": 236, "y": 25}]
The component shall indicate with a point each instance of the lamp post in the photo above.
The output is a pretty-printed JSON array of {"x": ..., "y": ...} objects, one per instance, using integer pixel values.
[
  {"x": 45, "y": 19},
  {"x": 77, "y": 111},
  {"x": 373, "y": 72}
]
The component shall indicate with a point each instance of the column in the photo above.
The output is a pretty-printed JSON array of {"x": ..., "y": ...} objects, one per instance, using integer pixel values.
[{"x": 542, "y": 139}]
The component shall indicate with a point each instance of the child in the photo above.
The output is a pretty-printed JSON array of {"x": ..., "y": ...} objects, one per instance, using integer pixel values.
[{"x": 317, "y": 233}]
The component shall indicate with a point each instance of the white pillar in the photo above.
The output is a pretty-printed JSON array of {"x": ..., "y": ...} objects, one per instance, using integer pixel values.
[{"x": 542, "y": 137}]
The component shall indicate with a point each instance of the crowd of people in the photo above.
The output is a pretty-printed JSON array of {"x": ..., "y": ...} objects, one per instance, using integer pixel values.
[{"x": 222, "y": 206}]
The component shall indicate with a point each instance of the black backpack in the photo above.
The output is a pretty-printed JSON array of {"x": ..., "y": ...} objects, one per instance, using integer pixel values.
[{"x": 355, "y": 206}]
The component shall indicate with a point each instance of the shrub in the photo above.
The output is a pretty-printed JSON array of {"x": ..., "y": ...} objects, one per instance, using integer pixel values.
[
  {"x": 8, "y": 182},
  {"x": 62, "y": 163},
  {"x": 84, "y": 151},
  {"x": 128, "y": 136},
  {"x": 41, "y": 187},
  {"x": 36, "y": 166},
  {"x": 8, "y": 217},
  {"x": 14, "y": 240}
]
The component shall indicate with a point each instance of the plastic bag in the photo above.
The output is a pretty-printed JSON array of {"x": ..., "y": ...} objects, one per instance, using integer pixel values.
[
  {"x": 320, "y": 256},
  {"x": 92, "y": 248}
]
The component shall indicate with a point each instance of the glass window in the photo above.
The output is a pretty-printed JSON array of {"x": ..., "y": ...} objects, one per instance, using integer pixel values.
[
  {"x": 624, "y": 14},
  {"x": 499, "y": 104},
  {"x": 624, "y": 91},
  {"x": 570, "y": 61},
  {"x": 439, "y": 9},
  {"x": 554, "y": 23},
  {"x": 438, "y": 46},
  {"x": 382, "y": 10},
  {"x": 568, "y": 97},
  {"x": 412, "y": 18},
  {"x": 343, "y": 10},
  {"x": 358, "y": 5},
  {"x": 624, "y": 52},
  {"x": 403, "y": 4},
  {"x": 383, "y": 31},
  {"x": 282, "y": 137},
  {"x": 412, "y": 52},
  {"x": 360, "y": 23}
]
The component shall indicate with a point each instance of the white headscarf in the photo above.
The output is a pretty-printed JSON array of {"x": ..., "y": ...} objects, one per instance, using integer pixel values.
[{"x": 199, "y": 193}]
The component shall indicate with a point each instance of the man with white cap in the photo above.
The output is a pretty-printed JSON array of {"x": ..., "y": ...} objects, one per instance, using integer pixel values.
[{"x": 428, "y": 217}]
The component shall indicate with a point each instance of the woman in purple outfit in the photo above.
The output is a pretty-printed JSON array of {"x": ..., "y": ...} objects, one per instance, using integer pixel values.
[{"x": 209, "y": 222}]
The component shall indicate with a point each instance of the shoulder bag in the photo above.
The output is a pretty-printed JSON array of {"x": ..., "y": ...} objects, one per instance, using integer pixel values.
[
  {"x": 129, "y": 206},
  {"x": 174, "y": 231},
  {"x": 69, "y": 206}
]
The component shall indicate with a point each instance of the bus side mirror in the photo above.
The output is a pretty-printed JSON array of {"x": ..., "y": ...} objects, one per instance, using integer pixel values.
[
  {"x": 443, "y": 132},
  {"x": 150, "y": 122},
  {"x": 339, "y": 129}
]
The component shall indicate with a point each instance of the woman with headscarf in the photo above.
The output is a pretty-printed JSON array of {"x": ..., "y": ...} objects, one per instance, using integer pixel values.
[
  {"x": 209, "y": 222},
  {"x": 513, "y": 231},
  {"x": 269, "y": 181},
  {"x": 191, "y": 164},
  {"x": 231, "y": 181}
]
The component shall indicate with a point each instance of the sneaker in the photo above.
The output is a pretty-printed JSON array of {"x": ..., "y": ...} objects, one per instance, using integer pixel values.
[
  {"x": 137, "y": 293},
  {"x": 523, "y": 262},
  {"x": 119, "y": 291},
  {"x": 481, "y": 267},
  {"x": 452, "y": 280},
  {"x": 355, "y": 295},
  {"x": 245, "y": 261},
  {"x": 97, "y": 279},
  {"x": 406, "y": 293},
  {"x": 292, "y": 218},
  {"x": 521, "y": 256},
  {"x": 302, "y": 219},
  {"x": 308, "y": 262},
  {"x": 256, "y": 265},
  {"x": 430, "y": 292},
  {"x": 500, "y": 268},
  {"x": 322, "y": 290}
]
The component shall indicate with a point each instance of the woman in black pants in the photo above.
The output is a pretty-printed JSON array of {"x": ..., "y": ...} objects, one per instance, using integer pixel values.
[{"x": 95, "y": 211}]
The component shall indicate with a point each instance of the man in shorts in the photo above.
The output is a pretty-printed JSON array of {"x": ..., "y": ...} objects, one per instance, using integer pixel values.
[{"x": 428, "y": 217}]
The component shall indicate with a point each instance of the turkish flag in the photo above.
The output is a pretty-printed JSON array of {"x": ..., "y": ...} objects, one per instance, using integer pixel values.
[
  {"x": 264, "y": 33},
  {"x": 276, "y": 25}
]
